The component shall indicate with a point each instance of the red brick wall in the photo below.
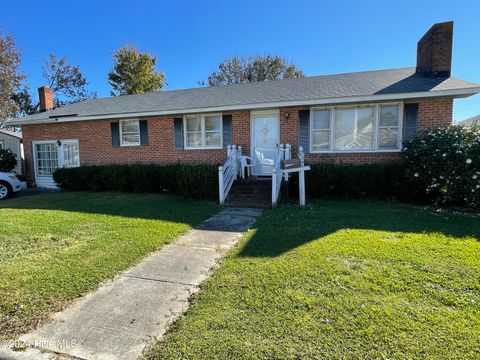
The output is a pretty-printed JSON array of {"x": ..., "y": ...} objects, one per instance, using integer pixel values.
[
  {"x": 96, "y": 148},
  {"x": 241, "y": 130},
  {"x": 95, "y": 143},
  {"x": 434, "y": 113}
]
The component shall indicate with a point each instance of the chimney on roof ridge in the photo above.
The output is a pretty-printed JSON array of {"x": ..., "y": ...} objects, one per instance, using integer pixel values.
[
  {"x": 434, "y": 50},
  {"x": 45, "y": 97}
]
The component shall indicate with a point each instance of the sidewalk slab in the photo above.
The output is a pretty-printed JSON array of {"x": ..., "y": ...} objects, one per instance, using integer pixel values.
[
  {"x": 116, "y": 321},
  {"x": 179, "y": 264},
  {"x": 124, "y": 315}
]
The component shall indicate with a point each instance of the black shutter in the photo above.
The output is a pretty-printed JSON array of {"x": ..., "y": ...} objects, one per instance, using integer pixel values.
[
  {"x": 178, "y": 130},
  {"x": 410, "y": 121},
  {"x": 227, "y": 130},
  {"x": 114, "y": 127},
  {"x": 304, "y": 130},
  {"x": 143, "y": 132}
]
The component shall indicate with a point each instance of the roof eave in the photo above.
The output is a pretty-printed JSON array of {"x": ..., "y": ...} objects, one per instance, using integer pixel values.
[{"x": 456, "y": 93}]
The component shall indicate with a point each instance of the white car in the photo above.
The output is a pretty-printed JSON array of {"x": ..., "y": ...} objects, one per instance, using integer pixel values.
[{"x": 10, "y": 184}]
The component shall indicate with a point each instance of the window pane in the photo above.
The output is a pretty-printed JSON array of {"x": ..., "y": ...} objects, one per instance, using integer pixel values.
[
  {"x": 70, "y": 155},
  {"x": 389, "y": 115},
  {"x": 320, "y": 140},
  {"x": 354, "y": 129},
  {"x": 194, "y": 139},
  {"x": 321, "y": 119},
  {"x": 130, "y": 126},
  {"x": 130, "y": 132},
  {"x": 212, "y": 123},
  {"x": 365, "y": 128},
  {"x": 213, "y": 139},
  {"x": 133, "y": 139},
  {"x": 194, "y": 124},
  {"x": 388, "y": 138},
  {"x": 344, "y": 128}
]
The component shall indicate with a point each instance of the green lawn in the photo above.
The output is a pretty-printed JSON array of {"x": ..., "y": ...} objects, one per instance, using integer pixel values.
[
  {"x": 340, "y": 279},
  {"x": 56, "y": 247}
]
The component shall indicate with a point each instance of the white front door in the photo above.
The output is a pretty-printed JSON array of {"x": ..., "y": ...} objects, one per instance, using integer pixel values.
[
  {"x": 49, "y": 155},
  {"x": 265, "y": 137}
]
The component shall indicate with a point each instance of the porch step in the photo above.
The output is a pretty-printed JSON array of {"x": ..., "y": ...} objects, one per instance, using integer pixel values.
[{"x": 251, "y": 192}]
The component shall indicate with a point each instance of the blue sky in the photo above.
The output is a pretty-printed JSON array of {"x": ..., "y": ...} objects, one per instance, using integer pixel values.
[{"x": 190, "y": 38}]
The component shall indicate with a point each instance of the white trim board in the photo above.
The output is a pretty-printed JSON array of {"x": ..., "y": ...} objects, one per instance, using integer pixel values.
[{"x": 326, "y": 101}]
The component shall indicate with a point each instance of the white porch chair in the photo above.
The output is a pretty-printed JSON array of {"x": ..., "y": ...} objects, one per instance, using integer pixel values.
[{"x": 246, "y": 162}]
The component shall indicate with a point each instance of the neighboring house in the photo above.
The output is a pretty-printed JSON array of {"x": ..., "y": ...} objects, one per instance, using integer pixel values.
[
  {"x": 13, "y": 141},
  {"x": 470, "y": 121},
  {"x": 360, "y": 117}
]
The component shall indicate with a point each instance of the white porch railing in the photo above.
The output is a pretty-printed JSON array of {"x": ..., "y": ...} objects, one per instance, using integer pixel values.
[
  {"x": 282, "y": 153},
  {"x": 228, "y": 172},
  {"x": 285, "y": 154}
]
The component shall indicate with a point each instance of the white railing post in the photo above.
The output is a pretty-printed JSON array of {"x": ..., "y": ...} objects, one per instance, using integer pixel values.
[
  {"x": 288, "y": 152},
  {"x": 220, "y": 185},
  {"x": 274, "y": 188},
  {"x": 238, "y": 154},
  {"x": 301, "y": 156},
  {"x": 301, "y": 176}
]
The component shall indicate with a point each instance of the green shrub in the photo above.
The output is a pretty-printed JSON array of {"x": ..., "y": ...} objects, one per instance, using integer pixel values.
[
  {"x": 8, "y": 160},
  {"x": 444, "y": 165},
  {"x": 190, "y": 181},
  {"x": 381, "y": 181}
]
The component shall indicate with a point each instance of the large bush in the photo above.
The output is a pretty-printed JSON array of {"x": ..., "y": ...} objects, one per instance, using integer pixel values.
[
  {"x": 190, "y": 181},
  {"x": 8, "y": 160},
  {"x": 444, "y": 165},
  {"x": 381, "y": 181}
]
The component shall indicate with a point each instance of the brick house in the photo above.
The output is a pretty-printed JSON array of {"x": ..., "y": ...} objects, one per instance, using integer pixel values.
[{"x": 356, "y": 118}]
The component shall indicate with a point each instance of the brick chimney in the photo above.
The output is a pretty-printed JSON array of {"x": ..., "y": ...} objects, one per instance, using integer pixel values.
[
  {"x": 45, "y": 97},
  {"x": 434, "y": 50}
]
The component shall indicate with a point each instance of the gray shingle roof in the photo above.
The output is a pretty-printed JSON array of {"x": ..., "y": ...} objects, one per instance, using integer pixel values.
[
  {"x": 470, "y": 121},
  {"x": 17, "y": 135},
  {"x": 321, "y": 89}
]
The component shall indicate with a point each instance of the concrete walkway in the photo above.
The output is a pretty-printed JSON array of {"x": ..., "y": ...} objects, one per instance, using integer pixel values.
[{"x": 123, "y": 316}]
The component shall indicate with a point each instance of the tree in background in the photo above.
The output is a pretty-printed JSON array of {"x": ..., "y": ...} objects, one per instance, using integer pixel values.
[
  {"x": 67, "y": 81},
  {"x": 24, "y": 102},
  {"x": 238, "y": 70},
  {"x": 134, "y": 72},
  {"x": 10, "y": 77}
]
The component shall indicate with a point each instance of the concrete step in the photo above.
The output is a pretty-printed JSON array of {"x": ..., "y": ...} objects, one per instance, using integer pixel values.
[{"x": 251, "y": 192}]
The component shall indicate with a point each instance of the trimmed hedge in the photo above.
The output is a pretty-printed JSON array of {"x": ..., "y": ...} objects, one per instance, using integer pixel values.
[
  {"x": 190, "y": 181},
  {"x": 380, "y": 181}
]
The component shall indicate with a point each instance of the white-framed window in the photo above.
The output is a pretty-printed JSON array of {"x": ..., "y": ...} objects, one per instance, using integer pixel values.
[
  {"x": 71, "y": 154},
  {"x": 389, "y": 122},
  {"x": 2, "y": 144},
  {"x": 321, "y": 130},
  {"x": 203, "y": 131},
  {"x": 372, "y": 127},
  {"x": 130, "y": 132}
]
